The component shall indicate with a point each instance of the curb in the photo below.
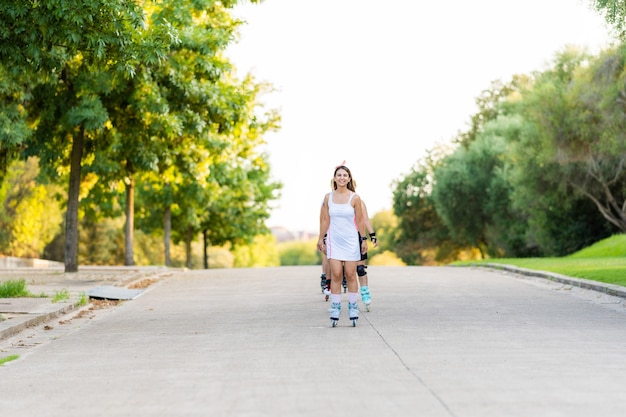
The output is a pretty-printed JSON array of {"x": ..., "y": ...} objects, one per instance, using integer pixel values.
[
  {"x": 36, "y": 320},
  {"x": 615, "y": 290}
]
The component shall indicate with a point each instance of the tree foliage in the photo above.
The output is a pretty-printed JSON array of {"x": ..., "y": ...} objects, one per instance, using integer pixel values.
[
  {"x": 115, "y": 96},
  {"x": 386, "y": 226},
  {"x": 30, "y": 215},
  {"x": 614, "y": 13},
  {"x": 540, "y": 172},
  {"x": 67, "y": 50},
  {"x": 261, "y": 252},
  {"x": 298, "y": 253},
  {"x": 469, "y": 190},
  {"x": 421, "y": 227},
  {"x": 579, "y": 111}
]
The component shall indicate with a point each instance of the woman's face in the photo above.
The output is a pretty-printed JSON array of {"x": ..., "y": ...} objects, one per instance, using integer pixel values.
[{"x": 342, "y": 177}]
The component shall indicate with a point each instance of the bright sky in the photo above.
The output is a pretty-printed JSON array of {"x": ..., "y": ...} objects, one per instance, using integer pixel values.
[{"x": 378, "y": 83}]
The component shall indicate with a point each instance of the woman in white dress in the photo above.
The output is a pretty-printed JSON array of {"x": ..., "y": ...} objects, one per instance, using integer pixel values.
[{"x": 340, "y": 220}]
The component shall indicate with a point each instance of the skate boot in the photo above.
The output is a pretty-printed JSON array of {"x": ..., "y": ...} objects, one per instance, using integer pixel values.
[
  {"x": 323, "y": 282},
  {"x": 326, "y": 290},
  {"x": 335, "y": 311},
  {"x": 365, "y": 297},
  {"x": 353, "y": 310}
]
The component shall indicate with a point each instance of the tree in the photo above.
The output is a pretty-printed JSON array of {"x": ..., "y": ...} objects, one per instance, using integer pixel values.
[
  {"x": 174, "y": 107},
  {"x": 535, "y": 162},
  {"x": 422, "y": 231},
  {"x": 461, "y": 190},
  {"x": 63, "y": 46},
  {"x": 558, "y": 220},
  {"x": 67, "y": 113},
  {"x": 599, "y": 148},
  {"x": 243, "y": 195},
  {"x": 174, "y": 121},
  {"x": 414, "y": 197},
  {"x": 579, "y": 112},
  {"x": 614, "y": 12},
  {"x": 473, "y": 192},
  {"x": 489, "y": 104}
]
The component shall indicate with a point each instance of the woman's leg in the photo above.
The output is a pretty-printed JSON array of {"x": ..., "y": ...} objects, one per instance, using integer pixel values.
[
  {"x": 353, "y": 288},
  {"x": 336, "y": 275},
  {"x": 350, "y": 271}
]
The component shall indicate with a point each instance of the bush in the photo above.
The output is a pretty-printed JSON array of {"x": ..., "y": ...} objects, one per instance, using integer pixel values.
[{"x": 387, "y": 258}]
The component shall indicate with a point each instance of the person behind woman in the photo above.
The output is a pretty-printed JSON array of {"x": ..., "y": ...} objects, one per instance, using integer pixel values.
[
  {"x": 325, "y": 278},
  {"x": 361, "y": 267},
  {"x": 341, "y": 211}
]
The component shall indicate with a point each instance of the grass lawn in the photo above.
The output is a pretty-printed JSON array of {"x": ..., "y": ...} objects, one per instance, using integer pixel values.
[
  {"x": 607, "y": 270},
  {"x": 605, "y": 261}
]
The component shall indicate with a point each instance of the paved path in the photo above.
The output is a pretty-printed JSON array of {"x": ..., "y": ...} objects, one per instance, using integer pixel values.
[{"x": 439, "y": 341}]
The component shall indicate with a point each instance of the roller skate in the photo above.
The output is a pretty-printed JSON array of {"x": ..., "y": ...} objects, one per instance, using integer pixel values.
[
  {"x": 323, "y": 282},
  {"x": 365, "y": 297},
  {"x": 335, "y": 311},
  {"x": 326, "y": 290},
  {"x": 353, "y": 311}
]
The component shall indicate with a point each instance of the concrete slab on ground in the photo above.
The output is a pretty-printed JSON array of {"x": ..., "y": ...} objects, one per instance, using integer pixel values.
[
  {"x": 18, "y": 314},
  {"x": 109, "y": 292}
]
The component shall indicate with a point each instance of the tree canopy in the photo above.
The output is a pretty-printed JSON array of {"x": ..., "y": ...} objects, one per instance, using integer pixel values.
[
  {"x": 539, "y": 172},
  {"x": 116, "y": 95},
  {"x": 614, "y": 12}
]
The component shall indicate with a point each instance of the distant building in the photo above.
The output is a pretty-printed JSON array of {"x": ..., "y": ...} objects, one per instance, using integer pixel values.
[{"x": 284, "y": 235}]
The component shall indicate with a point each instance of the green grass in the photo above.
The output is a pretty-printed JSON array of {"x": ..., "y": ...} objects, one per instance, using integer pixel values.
[
  {"x": 8, "y": 359},
  {"x": 612, "y": 247},
  {"x": 82, "y": 301},
  {"x": 61, "y": 295},
  {"x": 13, "y": 289},
  {"x": 604, "y": 261}
]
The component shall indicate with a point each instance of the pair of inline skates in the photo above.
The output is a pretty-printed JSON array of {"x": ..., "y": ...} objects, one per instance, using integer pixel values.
[{"x": 335, "y": 308}]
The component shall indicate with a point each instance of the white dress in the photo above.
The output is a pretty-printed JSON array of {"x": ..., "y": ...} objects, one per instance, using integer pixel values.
[{"x": 342, "y": 242}]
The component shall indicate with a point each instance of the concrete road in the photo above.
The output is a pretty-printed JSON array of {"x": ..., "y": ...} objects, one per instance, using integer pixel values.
[{"x": 439, "y": 341}]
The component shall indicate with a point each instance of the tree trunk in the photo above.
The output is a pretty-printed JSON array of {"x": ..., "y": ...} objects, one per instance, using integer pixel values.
[
  {"x": 205, "y": 241},
  {"x": 188, "y": 239},
  {"x": 167, "y": 233},
  {"x": 71, "y": 216},
  {"x": 615, "y": 216},
  {"x": 130, "y": 218}
]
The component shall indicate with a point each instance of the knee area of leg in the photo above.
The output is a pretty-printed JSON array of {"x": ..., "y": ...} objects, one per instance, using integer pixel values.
[{"x": 360, "y": 270}]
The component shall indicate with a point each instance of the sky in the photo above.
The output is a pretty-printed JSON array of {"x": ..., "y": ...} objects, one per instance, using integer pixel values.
[{"x": 378, "y": 84}]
